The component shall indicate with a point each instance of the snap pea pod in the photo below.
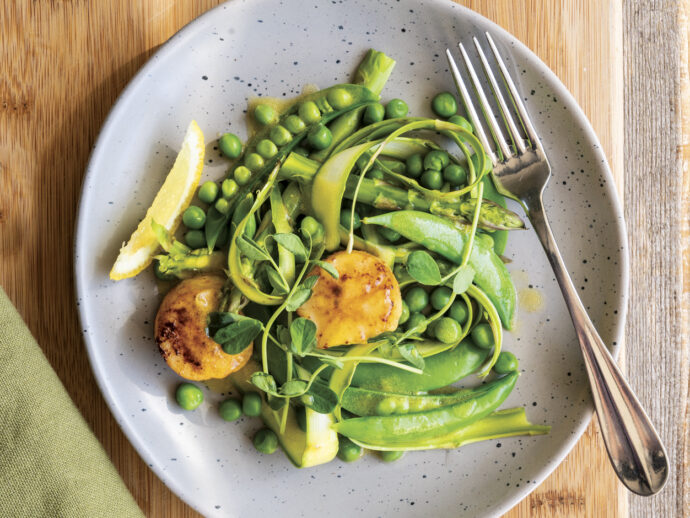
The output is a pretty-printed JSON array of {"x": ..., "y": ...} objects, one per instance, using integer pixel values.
[
  {"x": 439, "y": 371},
  {"x": 446, "y": 239},
  {"x": 384, "y": 196},
  {"x": 330, "y": 103},
  {"x": 510, "y": 422},
  {"x": 366, "y": 402},
  {"x": 420, "y": 426}
]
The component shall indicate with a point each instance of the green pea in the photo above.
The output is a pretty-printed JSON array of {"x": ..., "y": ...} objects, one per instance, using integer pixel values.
[
  {"x": 208, "y": 192},
  {"x": 309, "y": 112},
  {"x": 440, "y": 297},
  {"x": 264, "y": 114},
  {"x": 160, "y": 274},
  {"x": 436, "y": 160},
  {"x": 386, "y": 406},
  {"x": 417, "y": 320},
  {"x": 482, "y": 336},
  {"x": 319, "y": 137},
  {"x": 242, "y": 174},
  {"x": 294, "y": 124},
  {"x": 222, "y": 205},
  {"x": 461, "y": 121},
  {"x": 189, "y": 396},
  {"x": 396, "y": 108},
  {"x": 415, "y": 165},
  {"x": 194, "y": 217},
  {"x": 417, "y": 299},
  {"x": 231, "y": 145},
  {"x": 253, "y": 162},
  {"x": 391, "y": 456},
  {"x": 230, "y": 409},
  {"x": 345, "y": 215},
  {"x": 373, "y": 113},
  {"x": 432, "y": 179},
  {"x": 251, "y": 404},
  {"x": 265, "y": 441},
  {"x": 405, "y": 314},
  {"x": 348, "y": 451},
  {"x": 506, "y": 362},
  {"x": 312, "y": 228},
  {"x": 376, "y": 174},
  {"x": 444, "y": 105},
  {"x": 388, "y": 234},
  {"x": 455, "y": 174},
  {"x": 339, "y": 98},
  {"x": 301, "y": 416},
  {"x": 195, "y": 239},
  {"x": 458, "y": 311},
  {"x": 301, "y": 150},
  {"x": 229, "y": 187},
  {"x": 447, "y": 330},
  {"x": 280, "y": 135},
  {"x": 266, "y": 148}
]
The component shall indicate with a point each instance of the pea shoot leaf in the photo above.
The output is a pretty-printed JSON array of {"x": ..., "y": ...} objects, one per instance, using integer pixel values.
[
  {"x": 329, "y": 268},
  {"x": 411, "y": 354},
  {"x": 303, "y": 336},
  {"x": 293, "y": 388},
  {"x": 236, "y": 337},
  {"x": 463, "y": 279},
  {"x": 251, "y": 249},
  {"x": 310, "y": 281},
  {"x": 265, "y": 382},
  {"x": 422, "y": 268},
  {"x": 277, "y": 281},
  {"x": 297, "y": 298},
  {"x": 292, "y": 243},
  {"x": 320, "y": 398},
  {"x": 283, "y": 334},
  {"x": 217, "y": 320}
]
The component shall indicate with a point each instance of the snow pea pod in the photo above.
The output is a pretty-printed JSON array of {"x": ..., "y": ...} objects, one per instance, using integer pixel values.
[
  {"x": 439, "y": 370},
  {"x": 444, "y": 238},
  {"x": 420, "y": 426}
]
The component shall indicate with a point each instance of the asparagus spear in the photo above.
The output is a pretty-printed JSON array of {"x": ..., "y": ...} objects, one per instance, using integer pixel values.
[{"x": 384, "y": 196}]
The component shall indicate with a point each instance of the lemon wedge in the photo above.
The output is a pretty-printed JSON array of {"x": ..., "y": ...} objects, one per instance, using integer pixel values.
[{"x": 172, "y": 198}]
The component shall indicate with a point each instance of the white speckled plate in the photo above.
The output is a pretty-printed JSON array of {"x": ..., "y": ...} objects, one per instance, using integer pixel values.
[{"x": 269, "y": 47}]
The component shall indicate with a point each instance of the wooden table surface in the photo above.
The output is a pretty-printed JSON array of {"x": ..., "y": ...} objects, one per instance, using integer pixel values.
[{"x": 64, "y": 63}]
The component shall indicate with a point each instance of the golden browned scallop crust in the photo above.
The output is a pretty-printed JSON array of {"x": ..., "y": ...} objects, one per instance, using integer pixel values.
[
  {"x": 180, "y": 330},
  {"x": 364, "y": 302}
]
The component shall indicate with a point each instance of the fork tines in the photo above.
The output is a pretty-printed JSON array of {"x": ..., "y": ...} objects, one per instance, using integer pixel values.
[{"x": 503, "y": 148}]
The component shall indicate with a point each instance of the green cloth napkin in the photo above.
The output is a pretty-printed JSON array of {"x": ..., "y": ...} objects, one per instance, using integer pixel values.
[{"x": 51, "y": 464}]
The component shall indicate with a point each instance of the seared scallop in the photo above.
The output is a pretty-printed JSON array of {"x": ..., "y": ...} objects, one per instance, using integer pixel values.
[
  {"x": 363, "y": 302},
  {"x": 181, "y": 331}
]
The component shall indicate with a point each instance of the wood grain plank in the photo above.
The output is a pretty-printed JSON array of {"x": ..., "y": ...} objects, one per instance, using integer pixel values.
[
  {"x": 63, "y": 64},
  {"x": 655, "y": 41}
]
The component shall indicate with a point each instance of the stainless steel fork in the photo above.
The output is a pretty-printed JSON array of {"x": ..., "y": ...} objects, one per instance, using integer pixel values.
[{"x": 633, "y": 445}]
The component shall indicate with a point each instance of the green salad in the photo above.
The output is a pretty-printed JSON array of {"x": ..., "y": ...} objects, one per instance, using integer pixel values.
[{"x": 345, "y": 275}]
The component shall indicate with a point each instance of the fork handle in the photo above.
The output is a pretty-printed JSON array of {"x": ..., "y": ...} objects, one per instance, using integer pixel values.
[{"x": 633, "y": 445}]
